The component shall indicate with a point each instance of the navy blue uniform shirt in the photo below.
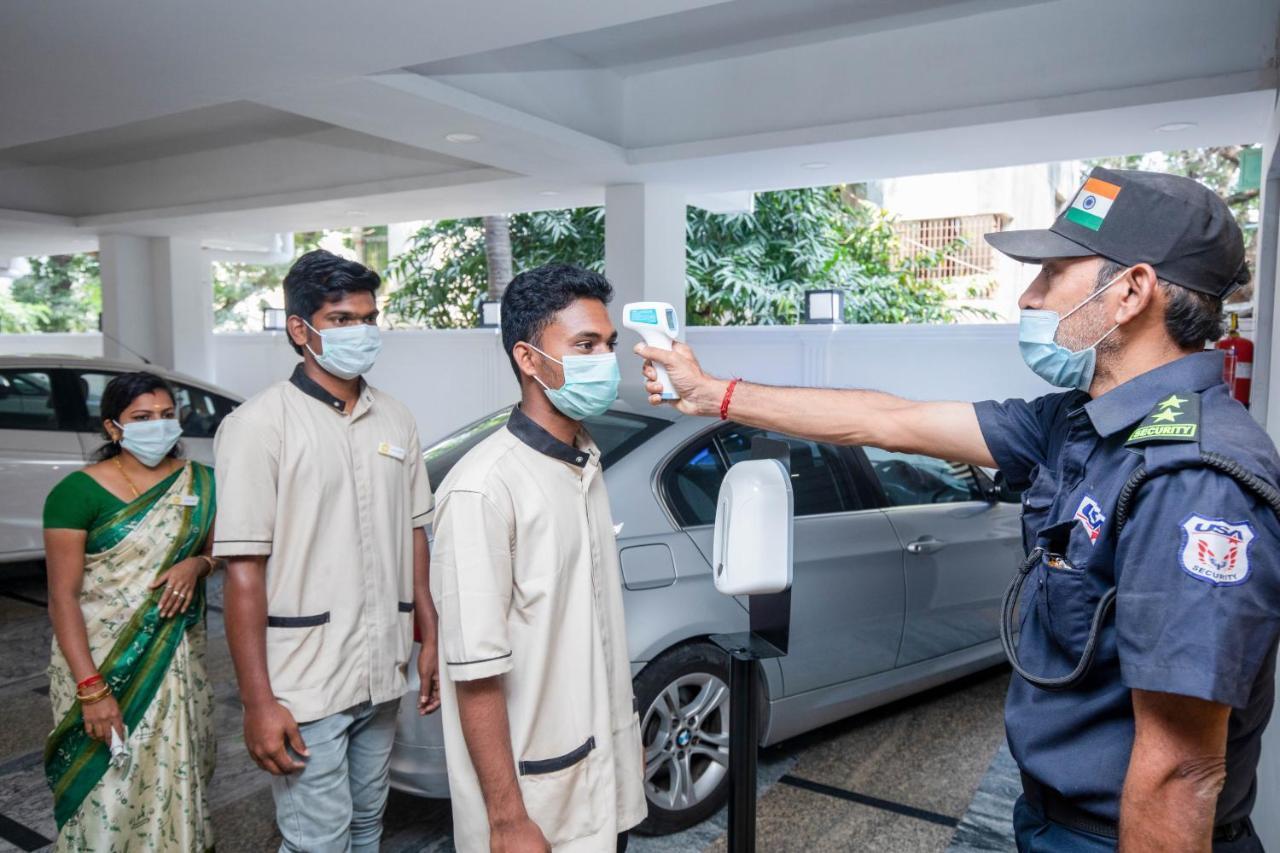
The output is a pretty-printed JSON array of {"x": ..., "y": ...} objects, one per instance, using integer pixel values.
[{"x": 1197, "y": 569}]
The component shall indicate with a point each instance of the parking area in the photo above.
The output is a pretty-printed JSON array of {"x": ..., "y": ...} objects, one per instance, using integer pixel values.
[{"x": 902, "y": 777}]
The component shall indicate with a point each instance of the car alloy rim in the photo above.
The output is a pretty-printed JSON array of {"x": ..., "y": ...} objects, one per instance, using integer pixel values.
[{"x": 686, "y": 741}]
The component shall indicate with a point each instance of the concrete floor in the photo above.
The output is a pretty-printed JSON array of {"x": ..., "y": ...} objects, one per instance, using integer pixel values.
[{"x": 901, "y": 778}]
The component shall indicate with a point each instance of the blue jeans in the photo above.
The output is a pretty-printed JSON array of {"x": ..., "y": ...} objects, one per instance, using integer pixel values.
[
  {"x": 1035, "y": 834},
  {"x": 335, "y": 804}
]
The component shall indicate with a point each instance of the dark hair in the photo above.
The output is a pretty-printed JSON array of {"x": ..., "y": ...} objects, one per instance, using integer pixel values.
[
  {"x": 318, "y": 278},
  {"x": 1190, "y": 317},
  {"x": 116, "y": 399},
  {"x": 534, "y": 297}
]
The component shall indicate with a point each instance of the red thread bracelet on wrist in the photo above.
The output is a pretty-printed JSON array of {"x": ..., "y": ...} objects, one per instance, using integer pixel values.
[
  {"x": 728, "y": 395},
  {"x": 88, "y": 682}
]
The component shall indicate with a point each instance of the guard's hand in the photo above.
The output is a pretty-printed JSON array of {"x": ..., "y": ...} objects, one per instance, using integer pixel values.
[
  {"x": 699, "y": 393},
  {"x": 522, "y": 836},
  {"x": 268, "y": 730},
  {"x": 428, "y": 679},
  {"x": 179, "y": 584}
]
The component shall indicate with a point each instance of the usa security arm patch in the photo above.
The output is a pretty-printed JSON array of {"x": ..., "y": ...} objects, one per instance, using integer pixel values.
[{"x": 1216, "y": 551}]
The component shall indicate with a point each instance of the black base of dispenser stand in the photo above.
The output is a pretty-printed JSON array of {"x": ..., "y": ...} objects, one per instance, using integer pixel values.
[{"x": 769, "y": 638}]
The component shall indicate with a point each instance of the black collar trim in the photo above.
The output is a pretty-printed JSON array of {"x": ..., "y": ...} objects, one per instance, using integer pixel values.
[
  {"x": 311, "y": 388},
  {"x": 523, "y": 428}
]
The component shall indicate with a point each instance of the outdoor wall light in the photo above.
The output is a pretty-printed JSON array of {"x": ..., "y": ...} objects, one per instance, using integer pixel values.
[
  {"x": 273, "y": 319},
  {"x": 824, "y": 306},
  {"x": 490, "y": 313}
]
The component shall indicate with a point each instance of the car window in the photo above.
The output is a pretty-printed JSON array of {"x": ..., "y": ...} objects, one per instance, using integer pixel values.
[
  {"x": 91, "y": 385},
  {"x": 910, "y": 479},
  {"x": 200, "y": 412},
  {"x": 818, "y": 479},
  {"x": 692, "y": 484},
  {"x": 27, "y": 400},
  {"x": 615, "y": 433}
]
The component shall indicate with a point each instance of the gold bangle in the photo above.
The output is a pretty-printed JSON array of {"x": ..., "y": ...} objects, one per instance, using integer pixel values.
[
  {"x": 94, "y": 697},
  {"x": 211, "y": 563}
]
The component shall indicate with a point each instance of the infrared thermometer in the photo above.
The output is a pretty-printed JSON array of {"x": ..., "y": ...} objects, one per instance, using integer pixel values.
[{"x": 656, "y": 322}]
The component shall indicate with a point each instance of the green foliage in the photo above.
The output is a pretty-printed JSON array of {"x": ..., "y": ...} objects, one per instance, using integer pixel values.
[
  {"x": 20, "y": 317},
  {"x": 443, "y": 272},
  {"x": 235, "y": 284},
  {"x": 749, "y": 268},
  {"x": 61, "y": 293}
]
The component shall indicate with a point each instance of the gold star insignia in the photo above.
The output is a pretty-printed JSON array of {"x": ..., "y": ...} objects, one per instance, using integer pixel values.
[
  {"x": 1167, "y": 416},
  {"x": 1173, "y": 402}
]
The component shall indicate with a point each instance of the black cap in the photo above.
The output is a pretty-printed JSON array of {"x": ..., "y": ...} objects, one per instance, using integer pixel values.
[{"x": 1178, "y": 225}]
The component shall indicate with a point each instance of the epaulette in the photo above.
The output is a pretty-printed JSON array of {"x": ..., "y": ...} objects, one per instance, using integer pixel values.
[{"x": 1176, "y": 418}]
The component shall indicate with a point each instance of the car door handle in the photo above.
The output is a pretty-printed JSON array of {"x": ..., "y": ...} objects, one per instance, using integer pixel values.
[{"x": 925, "y": 545}]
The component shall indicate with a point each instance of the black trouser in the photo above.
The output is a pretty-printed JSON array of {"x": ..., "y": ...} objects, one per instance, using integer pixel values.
[{"x": 622, "y": 842}]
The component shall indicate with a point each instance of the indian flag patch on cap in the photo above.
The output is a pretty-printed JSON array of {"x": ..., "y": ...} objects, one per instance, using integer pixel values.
[{"x": 1092, "y": 203}]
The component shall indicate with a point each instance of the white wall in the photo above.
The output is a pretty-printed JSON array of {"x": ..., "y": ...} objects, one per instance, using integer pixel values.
[
  {"x": 449, "y": 378},
  {"x": 85, "y": 344}
]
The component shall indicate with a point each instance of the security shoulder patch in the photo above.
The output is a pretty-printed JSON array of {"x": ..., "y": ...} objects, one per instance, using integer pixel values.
[
  {"x": 1216, "y": 551},
  {"x": 1175, "y": 418}
]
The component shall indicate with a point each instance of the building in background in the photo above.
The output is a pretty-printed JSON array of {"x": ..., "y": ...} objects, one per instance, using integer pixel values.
[{"x": 949, "y": 212}]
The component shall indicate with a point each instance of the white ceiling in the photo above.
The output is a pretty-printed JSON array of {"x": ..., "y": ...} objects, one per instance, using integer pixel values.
[{"x": 229, "y": 119}]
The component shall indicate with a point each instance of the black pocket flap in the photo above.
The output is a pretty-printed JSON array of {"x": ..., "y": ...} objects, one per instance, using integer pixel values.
[
  {"x": 298, "y": 621},
  {"x": 551, "y": 765}
]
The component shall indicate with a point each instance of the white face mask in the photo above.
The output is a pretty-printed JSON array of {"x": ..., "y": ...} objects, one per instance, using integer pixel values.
[
  {"x": 150, "y": 441},
  {"x": 349, "y": 351}
]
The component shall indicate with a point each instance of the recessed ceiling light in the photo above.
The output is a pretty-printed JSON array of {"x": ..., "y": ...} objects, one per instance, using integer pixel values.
[
  {"x": 816, "y": 164},
  {"x": 548, "y": 193},
  {"x": 461, "y": 137},
  {"x": 357, "y": 213},
  {"x": 1174, "y": 126}
]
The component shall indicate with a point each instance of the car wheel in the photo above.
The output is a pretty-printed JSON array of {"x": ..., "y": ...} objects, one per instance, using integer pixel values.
[{"x": 684, "y": 724}]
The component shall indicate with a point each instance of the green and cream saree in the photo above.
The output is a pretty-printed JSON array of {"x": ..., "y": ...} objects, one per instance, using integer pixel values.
[{"x": 158, "y": 798}]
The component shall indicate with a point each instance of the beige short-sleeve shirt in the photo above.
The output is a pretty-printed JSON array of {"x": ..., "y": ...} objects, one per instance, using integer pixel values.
[
  {"x": 332, "y": 500},
  {"x": 525, "y": 576}
]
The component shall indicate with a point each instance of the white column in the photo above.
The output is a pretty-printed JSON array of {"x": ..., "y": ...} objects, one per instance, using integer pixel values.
[
  {"x": 128, "y": 303},
  {"x": 1265, "y": 406},
  {"x": 157, "y": 302},
  {"x": 644, "y": 255}
]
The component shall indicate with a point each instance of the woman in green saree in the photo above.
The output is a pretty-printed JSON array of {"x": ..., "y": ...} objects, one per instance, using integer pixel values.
[{"x": 126, "y": 542}]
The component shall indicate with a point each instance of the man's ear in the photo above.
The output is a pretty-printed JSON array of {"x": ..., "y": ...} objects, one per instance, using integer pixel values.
[
  {"x": 296, "y": 329},
  {"x": 524, "y": 358},
  {"x": 1137, "y": 292}
]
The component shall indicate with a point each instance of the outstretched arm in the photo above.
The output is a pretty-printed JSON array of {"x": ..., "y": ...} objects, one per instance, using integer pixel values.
[{"x": 943, "y": 429}]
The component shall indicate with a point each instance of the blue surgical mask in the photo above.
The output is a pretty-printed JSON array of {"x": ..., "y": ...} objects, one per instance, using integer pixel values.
[
  {"x": 349, "y": 351},
  {"x": 590, "y": 384},
  {"x": 150, "y": 441},
  {"x": 1050, "y": 360}
]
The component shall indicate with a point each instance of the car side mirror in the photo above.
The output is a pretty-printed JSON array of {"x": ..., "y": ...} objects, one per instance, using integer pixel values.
[{"x": 1004, "y": 493}]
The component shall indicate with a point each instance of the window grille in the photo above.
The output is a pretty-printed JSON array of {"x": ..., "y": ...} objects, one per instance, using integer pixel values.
[{"x": 965, "y": 253}]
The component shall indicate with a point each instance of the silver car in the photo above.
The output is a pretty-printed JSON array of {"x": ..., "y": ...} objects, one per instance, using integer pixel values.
[
  {"x": 900, "y": 562},
  {"x": 49, "y": 424}
]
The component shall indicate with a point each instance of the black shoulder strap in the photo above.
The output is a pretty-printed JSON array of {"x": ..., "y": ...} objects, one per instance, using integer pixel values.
[
  {"x": 1170, "y": 441},
  {"x": 1175, "y": 418}
]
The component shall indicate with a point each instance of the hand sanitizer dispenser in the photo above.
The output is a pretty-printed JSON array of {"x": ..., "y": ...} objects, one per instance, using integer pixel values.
[
  {"x": 752, "y": 543},
  {"x": 656, "y": 322}
]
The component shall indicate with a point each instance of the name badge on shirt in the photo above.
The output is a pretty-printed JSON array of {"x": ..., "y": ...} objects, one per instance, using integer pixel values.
[
  {"x": 387, "y": 449},
  {"x": 185, "y": 500}
]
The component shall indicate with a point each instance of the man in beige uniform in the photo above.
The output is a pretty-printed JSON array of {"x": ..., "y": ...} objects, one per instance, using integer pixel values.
[
  {"x": 324, "y": 499},
  {"x": 541, "y": 735}
]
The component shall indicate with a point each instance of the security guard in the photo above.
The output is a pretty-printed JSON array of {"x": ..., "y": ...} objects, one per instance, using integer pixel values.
[{"x": 1149, "y": 602}]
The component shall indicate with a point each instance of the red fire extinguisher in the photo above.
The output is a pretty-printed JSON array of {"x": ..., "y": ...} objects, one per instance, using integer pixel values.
[{"x": 1237, "y": 367}]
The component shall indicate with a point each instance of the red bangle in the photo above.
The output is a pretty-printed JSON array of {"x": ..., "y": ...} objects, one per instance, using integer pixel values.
[
  {"x": 728, "y": 395},
  {"x": 88, "y": 682}
]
